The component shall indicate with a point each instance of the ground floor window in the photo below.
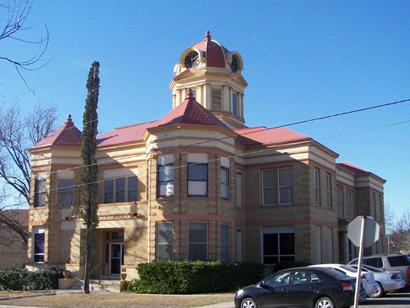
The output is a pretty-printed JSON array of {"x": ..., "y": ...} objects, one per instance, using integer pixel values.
[
  {"x": 278, "y": 245},
  {"x": 38, "y": 245},
  {"x": 224, "y": 253},
  {"x": 165, "y": 236},
  {"x": 198, "y": 241}
]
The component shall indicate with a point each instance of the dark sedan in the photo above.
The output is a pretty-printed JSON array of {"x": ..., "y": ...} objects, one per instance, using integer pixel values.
[{"x": 300, "y": 287}]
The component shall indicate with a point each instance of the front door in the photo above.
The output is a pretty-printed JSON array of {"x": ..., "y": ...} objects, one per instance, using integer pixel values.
[{"x": 116, "y": 258}]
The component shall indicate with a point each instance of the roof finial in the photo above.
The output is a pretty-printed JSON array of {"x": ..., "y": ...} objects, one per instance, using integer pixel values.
[
  {"x": 69, "y": 120},
  {"x": 189, "y": 95},
  {"x": 207, "y": 35}
]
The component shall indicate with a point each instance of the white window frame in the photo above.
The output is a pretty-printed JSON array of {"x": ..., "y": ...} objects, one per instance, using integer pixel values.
[
  {"x": 34, "y": 232},
  {"x": 206, "y": 181},
  {"x": 275, "y": 188},
  {"x": 199, "y": 243},
  {"x": 227, "y": 170},
  {"x": 114, "y": 191},
  {"x": 284, "y": 186},
  {"x": 40, "y": 191},
  {"x": 65, "y": 191},
  {"x": 165, "y": 243}
]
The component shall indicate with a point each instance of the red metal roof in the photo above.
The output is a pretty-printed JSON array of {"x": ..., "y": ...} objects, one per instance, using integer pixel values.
[
  {"x": 214, "y": 52},
  {"x": 264, "y": 136},
  {"x": 355, "y": 167},
  {"x": 67, "y": 135}
]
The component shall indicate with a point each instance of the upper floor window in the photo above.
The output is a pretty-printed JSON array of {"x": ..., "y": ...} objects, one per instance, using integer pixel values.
[
  {"x": 166, "y": 180},
  {"x": 340, "y": 200},
  {"x": 40, "y": 191},
  {"x": 317, "y": 186},
  {"x": 224, "y": 183},
  {"x": 198, "y": 241},
  {"x": 238, "y": 189},
  {"x": 329, "y": 190},
  {"x": 216, "y": 100},
  {"x": 349, "y": 211},
  {"x": 277, "y": 186},
  {"x": 165, "y": 237},
  {"x": 121, "y": 189},
  {"x": 65, "y": 192},
  {"x": 197, "y": 179},
  {"x": 235, "y": 109}
]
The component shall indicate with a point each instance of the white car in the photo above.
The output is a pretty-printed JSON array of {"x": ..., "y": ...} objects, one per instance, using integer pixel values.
[
  {"x": 386, "y": 280},
  {"x": 369, "y": 283}
]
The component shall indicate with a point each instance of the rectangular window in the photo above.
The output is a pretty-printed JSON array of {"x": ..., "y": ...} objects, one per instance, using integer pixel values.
[
  {"x": 278, "y": 245},
  {"x": 123, "y": 189},
  {"x": 216, "y": 96},
  {"x": 166, "y": 180},
  {"x": 318, "y": 244},
  {"x": 238, "y": 189},
  {"x": 108, "y": 191},
  {"x": 340, "y": 200},
  {"x": 224, "y": 183},
  {"x": 165, "y": 238},
  {"x": 65, "y": 192},
  {"x": 40, "y": 191},
  {"x": 197, "y": 179},
  {"x": 38, "y": 246},
  {"x": 120, "y": 190},
  {"x": 285, "y": 185},
  {"x": 193, "y": 93},
  {"x": 235, "y": 108},
  {"x": 329, "y": 199},
  {"x": 317, "y": 186},
  {"x": 349, "y": 203},
  {"x": 269, "y": 191},
  {"x": 224, "y": 253},
  {"x": 198, "y": 241},
  {"x": 132, "y": 188}
]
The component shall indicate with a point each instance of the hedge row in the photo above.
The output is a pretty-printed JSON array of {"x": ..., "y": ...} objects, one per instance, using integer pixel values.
[
  {"x": 187, "y": 277},
  {"x": 20, "y": 279}
]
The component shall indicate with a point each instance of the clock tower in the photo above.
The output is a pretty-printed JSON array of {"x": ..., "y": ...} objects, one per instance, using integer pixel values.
[{"x": 215, "y": 76}]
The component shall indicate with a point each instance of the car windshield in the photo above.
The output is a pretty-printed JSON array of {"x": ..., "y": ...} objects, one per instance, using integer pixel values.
[{"x": 373, "y": 269}]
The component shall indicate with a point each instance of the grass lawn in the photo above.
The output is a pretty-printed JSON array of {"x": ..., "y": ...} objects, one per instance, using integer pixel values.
[{"x": 121, "y": 300}]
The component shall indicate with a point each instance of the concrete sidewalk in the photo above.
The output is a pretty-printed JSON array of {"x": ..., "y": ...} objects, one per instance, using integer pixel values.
[{"x": 220, "y": 305}]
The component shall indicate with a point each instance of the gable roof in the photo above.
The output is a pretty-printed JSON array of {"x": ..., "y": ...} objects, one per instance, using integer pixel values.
[
  {"x": 66, "y": 135},
  {"x": 191, "y": 112}
]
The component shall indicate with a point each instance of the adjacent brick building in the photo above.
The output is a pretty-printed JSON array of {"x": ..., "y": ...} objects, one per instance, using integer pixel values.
[{"x": 199, "y": 184}]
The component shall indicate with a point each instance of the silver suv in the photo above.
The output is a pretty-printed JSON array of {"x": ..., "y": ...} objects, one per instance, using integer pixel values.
[{"x": 389, "y": 262}]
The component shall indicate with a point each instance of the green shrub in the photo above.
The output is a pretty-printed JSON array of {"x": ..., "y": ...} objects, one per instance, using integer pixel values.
[
  {"x": 187, "y": 277},
  {"x": 20, "y": 279}
]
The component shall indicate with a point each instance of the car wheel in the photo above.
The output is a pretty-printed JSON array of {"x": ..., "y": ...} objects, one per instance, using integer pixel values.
[
  {"x": 324, "y": 302},
  {"x": 379, "y": 292},
  {"x": 249, "y": 302}
]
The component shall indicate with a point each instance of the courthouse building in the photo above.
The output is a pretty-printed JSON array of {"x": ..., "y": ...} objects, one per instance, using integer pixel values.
[{"x": 199, "y": 184}]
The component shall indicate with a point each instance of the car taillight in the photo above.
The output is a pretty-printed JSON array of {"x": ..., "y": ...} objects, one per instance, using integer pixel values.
[{"x": 347, "y": 286}]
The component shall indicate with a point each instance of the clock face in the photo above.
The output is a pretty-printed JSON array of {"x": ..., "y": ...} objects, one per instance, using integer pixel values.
[
  {"x": 192, "y": 59},
  {"x": 234, "y": 64}
]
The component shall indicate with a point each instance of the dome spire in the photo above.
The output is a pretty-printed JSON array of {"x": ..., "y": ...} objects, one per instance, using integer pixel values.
[
  {"x": 69, "y": 120},
  {"x": 207, "y": 35}
]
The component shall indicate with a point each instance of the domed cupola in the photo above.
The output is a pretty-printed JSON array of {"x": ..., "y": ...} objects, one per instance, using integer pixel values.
[{"x": 215, "y": 76}]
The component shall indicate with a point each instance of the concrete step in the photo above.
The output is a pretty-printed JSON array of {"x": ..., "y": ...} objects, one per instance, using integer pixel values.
[{"x": 107, "y": 285}]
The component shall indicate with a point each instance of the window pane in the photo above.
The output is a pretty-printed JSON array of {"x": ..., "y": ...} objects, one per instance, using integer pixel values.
[
  {"x": 108, "y": 191},
  {"x": 269, "y": 196},
  {"x": 224, "y": 191},
  {"x": 166, "y": 173},
  {"x": 198, "y": 232},
  {"x": 216, "y": 95},
  {"x": 270, "y": 260},
  {"x": 164, "y": 252},
  {"x": 65, "y": 192},
  {"x": 165, "y": 233},
  {"x": 224, "y": 176},
  {"x": 132, "y": 188},
  {"x": 270, "y": 244},
  {"x": 224, "y": 234},
  {"x": 196, "y": 188},
  {"x": 198, "y": 252},
  {"x": 268, "y": 178},
  {"x": 166, "y": 189},
  {"x": 286, "y": 195},
  {"x": 38, "y": 243},
  {"x": 198, "y": 172},
  {"x": 38, "y": 258},
  {"x": 287, "y": 259},
  {"x": 120, "y": 190},
  {"x": 285, "y": 177},
  {"x": 287, "y": 243},
  {"x": 234, "y": 104}
]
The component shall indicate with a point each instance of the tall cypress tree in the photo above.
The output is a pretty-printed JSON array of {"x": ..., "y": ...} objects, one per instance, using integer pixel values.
[{"x": 89, "y": 170}]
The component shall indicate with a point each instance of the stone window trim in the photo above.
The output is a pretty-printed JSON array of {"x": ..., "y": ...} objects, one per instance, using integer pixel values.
[
  {"x": 40, "y": 191},
  {"x": 167, "y": 244},
  {"x": 167, "y": 182},
  {"x": 277, "y": 186},
  {"x": 225, "y": 246},
  {"x": 38, "y": 245},
  {"x": 115, "y": 192},
  {"x": 206, "y": 243},
  {"x": 223, "y": 184},
  {"x": 204, "y": 180}
]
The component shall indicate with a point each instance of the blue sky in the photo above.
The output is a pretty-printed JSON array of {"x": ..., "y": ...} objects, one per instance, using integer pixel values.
[{"x": 302, "y": 59}]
